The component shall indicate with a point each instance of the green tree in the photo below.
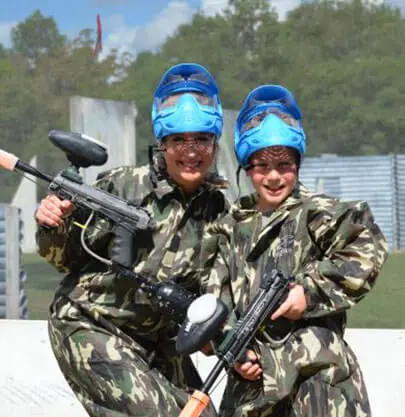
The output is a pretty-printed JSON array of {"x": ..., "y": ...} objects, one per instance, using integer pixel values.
[
  {"x": 141, "y": 80},
  {"x": 35, "y": 97},
  {"x": 37, "y": 35},
  {"x": 344, "y": 61}
]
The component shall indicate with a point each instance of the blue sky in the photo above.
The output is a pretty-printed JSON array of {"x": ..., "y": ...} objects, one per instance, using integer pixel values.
[
  {"x": 127, "y": 24},
  {"x": 122, "y": 20},
  {"x": 72, "y": 15}
]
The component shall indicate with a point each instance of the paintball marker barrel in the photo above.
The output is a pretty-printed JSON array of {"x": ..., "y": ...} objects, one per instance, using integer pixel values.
[
  {"x": 82, "y": 151},
  {"x": 10, "y": 162}
]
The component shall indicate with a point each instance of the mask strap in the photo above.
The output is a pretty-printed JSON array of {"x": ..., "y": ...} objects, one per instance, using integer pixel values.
[{"x": 238, "y": 182}]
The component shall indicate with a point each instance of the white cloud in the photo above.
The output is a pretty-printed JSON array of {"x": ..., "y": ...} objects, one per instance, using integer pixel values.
[
  {"x": 282, "y": 7},
  {"x": 120, "y": 36},
  {"x": 213, "y": 7},
  {"x": 5, "y": 32},
  {"x": 164, "y": 24},
  {"x": 397, "y": 3},
  {"x": 150, "y": 36}
]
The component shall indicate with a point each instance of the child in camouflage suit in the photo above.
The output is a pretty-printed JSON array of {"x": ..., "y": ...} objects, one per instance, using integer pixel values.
[
  {"x": 300, "y": 364},
  {"x": 114, "y": 347}
]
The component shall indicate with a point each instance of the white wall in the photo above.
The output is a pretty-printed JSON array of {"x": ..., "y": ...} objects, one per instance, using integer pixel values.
[
  {"x": 31, "y": 384},
  {"x": 109, "y": 121},
  {"x": 25, "y": 198}
]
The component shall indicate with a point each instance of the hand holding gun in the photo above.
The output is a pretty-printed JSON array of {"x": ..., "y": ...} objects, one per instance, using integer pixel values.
[
  {"x": 67, "y": 188},
  {"x": 195, "y": 333}
]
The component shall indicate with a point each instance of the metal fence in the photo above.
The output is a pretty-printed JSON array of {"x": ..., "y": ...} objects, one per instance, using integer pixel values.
[
  {"x": 371, "y": 178},
  {"x": 399, "y": 185},
  {"x": 379, "y": 180},
  {"x": 13, "y": 302}
]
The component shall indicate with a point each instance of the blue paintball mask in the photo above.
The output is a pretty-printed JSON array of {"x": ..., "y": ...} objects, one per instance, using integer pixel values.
[
  {"x": 187, "y": 100},
  {"x": 269, "y": 116}
]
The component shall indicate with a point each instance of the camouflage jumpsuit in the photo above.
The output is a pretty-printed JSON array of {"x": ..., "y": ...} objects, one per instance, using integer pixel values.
[
  {"x": 114, "y": 348},
  {"x": 337, "y": 252}
]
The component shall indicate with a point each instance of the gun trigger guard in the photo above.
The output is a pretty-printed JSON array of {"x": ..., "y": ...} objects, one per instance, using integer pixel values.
[{"x": 276, "y": 343}]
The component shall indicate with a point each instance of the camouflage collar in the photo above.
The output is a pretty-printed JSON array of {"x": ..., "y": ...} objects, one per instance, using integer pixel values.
[{"x": 246, "y": 206}]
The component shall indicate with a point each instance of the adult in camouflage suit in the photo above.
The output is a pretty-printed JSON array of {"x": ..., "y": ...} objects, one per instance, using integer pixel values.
[
  {"x": 334, "y": 251},
  {"x": 114, "y": 347}
]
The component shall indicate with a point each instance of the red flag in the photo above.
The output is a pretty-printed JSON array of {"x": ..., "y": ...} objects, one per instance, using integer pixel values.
[{"x": 99, "y": 45}]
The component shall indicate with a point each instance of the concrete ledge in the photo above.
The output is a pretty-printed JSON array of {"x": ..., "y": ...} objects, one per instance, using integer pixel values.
[{"x": 31, "y": 384}]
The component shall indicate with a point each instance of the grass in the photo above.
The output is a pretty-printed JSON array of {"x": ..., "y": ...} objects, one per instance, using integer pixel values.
[
  {"x": 42, "y": 280},
  {"x": 382, "y": 308}
]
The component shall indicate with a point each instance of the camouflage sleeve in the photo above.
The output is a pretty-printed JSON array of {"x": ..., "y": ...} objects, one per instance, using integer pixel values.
[
  {"x": 216, "y": 277},
  {"x": 62, "y": 247},
  {"x": 354, "y": 251},
  {"x": 51, "y": 244}
]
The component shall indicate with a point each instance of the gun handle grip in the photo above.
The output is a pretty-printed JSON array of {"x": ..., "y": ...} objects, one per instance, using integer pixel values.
[
  {"x": 195, "y": 405},
  {"x": 122, "y": 247}
]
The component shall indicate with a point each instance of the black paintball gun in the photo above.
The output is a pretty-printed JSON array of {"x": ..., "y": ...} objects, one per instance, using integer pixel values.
[
  {"x": 197, "y": 331},
  {"x": 126, "y": 217}
]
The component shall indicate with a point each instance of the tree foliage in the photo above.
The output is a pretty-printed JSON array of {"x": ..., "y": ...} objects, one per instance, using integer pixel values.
[
  {"x": 344, "y": 61},
  {"x": 36, "y": 36}
]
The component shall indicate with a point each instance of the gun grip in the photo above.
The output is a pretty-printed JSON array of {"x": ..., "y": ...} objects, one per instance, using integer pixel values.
[{"x": 122, "y": 247}]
